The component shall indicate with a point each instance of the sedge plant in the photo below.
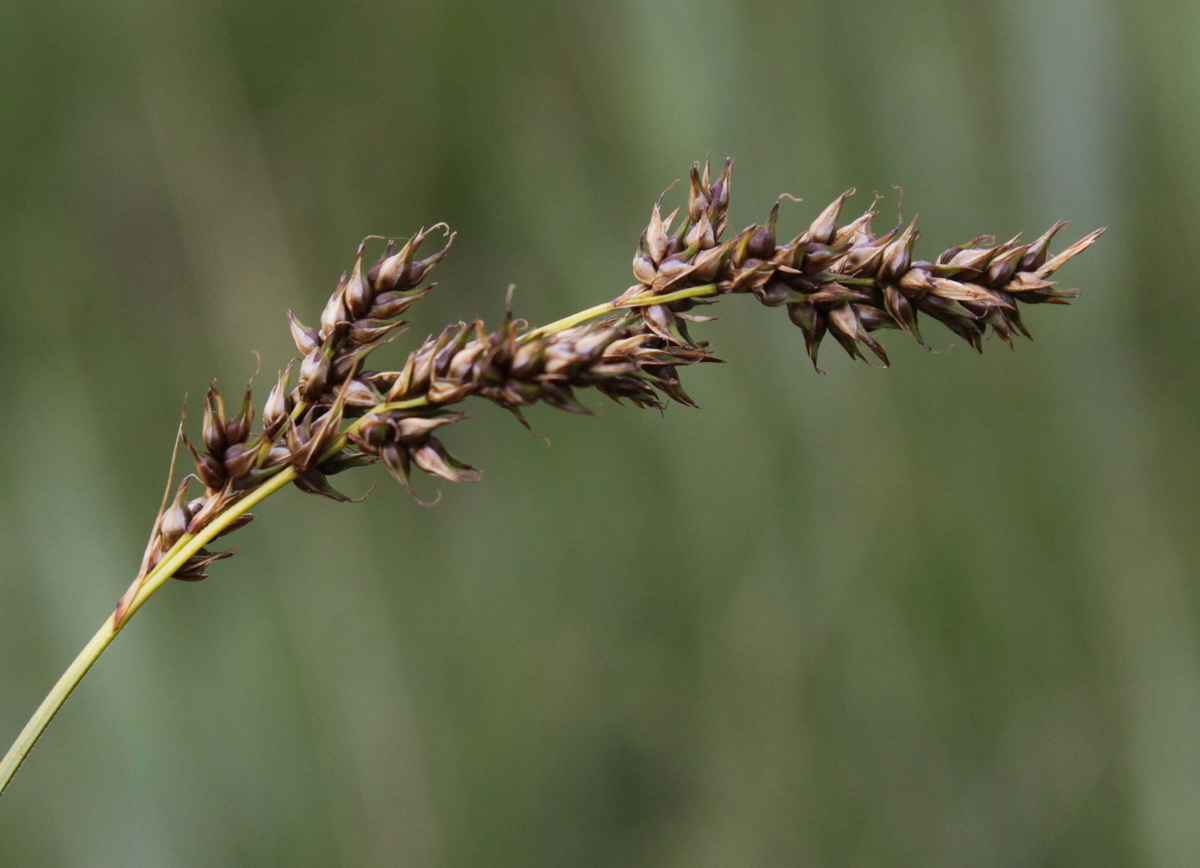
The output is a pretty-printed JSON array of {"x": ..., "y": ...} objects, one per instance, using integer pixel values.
[{"x": 834, "y": 279}]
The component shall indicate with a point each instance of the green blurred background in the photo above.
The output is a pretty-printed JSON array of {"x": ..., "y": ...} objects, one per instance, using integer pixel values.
[{"x": 942, "y": 615}]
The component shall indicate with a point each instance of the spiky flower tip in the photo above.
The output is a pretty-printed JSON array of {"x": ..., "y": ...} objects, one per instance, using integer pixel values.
[{"x": 833, "y": 278}]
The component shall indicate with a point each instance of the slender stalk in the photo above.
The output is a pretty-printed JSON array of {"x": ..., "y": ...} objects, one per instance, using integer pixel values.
[
  {"x": 612, "y": 306},
  {"x": 145, "y": 587},
  {"x": 53, "y": 702}
]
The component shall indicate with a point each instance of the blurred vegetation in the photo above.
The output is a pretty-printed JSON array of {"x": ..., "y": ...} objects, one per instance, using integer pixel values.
[{"x": 940, "y": 615}]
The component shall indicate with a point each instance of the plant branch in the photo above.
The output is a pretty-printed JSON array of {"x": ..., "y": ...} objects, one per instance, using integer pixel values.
[{"x": 837, "y": 280}]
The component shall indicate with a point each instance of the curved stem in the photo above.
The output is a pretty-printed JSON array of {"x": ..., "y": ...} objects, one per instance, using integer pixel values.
[
  {"x": 145, "y": 587},
  {"x": 53, "y": 702}
]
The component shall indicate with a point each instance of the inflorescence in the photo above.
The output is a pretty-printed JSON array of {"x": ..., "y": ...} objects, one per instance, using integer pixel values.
[{"x": 834, "y": 279}]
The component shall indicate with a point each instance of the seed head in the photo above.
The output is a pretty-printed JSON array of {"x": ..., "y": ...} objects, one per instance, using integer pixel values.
[
  {"x": 841, "y": 279},
  {"x": 834, "y": 278}
]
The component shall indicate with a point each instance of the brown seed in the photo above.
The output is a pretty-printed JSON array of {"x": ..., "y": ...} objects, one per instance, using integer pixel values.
[{"x": 358, "y": 293}]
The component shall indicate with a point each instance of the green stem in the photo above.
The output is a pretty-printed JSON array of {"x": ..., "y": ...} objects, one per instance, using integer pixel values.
[
  {"x": 142, "y": 589},
  {"x": 612, "y": 306}
]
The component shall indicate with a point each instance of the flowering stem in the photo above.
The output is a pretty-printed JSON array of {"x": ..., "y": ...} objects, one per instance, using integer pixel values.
[{"x": 882, "y": 286}]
